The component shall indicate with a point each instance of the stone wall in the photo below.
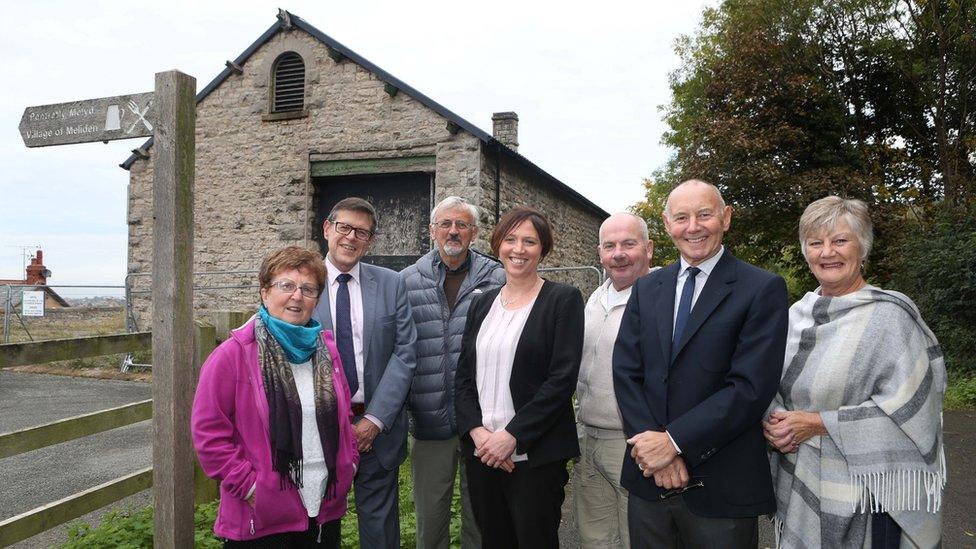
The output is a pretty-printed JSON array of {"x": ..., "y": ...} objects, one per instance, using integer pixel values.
[
  {"x": 575, "y": 228},
  {"x": 253, "y": 190}
]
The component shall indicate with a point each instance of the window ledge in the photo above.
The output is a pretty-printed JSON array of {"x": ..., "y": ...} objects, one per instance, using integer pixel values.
[{"x": 286, "y": 115}]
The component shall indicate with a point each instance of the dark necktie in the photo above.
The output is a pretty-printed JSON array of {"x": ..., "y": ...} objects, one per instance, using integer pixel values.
[
  {"x": 684, "y": 305},
  {"x": 344, "y": 333}
]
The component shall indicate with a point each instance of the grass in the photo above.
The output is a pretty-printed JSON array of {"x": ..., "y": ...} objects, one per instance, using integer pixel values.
[
  {"x": 133, "y": 528},
  {"x": 961, "y": 392},
  {"x": 66, "y": 323}
]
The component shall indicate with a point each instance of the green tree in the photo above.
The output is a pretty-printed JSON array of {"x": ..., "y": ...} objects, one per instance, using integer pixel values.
[
  {"x": 651, "y": 208},
  {"x": 781, "y": 102}
]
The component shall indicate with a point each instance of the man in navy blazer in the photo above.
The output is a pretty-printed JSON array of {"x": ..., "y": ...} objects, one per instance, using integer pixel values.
[
  {"x": 367, "y": 308},
  {"x": 696, "y": 363}
]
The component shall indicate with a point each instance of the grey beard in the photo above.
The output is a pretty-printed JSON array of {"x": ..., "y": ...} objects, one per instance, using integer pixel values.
[{"x": 453, "y": 251}]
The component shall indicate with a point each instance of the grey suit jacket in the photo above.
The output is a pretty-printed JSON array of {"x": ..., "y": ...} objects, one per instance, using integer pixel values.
[{"x": 389, "y": 357}]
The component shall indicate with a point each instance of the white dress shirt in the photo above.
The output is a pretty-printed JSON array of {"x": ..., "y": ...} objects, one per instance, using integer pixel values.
[
  {"x": 706, "y": 267},
  {"x": 355, "y": 314},
  {"x": 497, "y": 340}
]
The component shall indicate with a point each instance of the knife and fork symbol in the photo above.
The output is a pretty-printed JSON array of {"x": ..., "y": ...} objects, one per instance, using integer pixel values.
[{"x": 141, "y": 114}]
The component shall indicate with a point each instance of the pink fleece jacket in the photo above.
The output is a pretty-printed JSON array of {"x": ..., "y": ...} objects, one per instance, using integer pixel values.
[{"x": 230, "y": 432}]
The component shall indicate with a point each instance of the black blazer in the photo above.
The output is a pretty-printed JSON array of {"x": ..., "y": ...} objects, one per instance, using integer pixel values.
[
  {"x": 547, "y": 362},
  {"x": 711, "y": 393}
]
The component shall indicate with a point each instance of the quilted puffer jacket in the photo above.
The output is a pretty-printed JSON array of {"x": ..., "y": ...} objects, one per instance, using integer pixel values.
[{"x": 431, "y": 400}]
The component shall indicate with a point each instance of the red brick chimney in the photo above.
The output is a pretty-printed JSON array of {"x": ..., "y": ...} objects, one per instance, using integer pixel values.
[{"x": 37, "y": 273}]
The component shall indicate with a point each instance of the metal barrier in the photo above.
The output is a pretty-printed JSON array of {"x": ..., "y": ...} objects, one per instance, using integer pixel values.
[
  {"x": 12, "y": 295},
  {"x": 132, "y": 324},
  {"x": 584, "y": 268}
]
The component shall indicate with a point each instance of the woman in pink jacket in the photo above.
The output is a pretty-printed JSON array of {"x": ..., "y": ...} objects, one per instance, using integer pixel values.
[{"x": 271, "y": 417}]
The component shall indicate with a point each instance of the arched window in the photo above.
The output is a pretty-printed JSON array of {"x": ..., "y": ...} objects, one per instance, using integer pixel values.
[{"x": 289, "y": 83}]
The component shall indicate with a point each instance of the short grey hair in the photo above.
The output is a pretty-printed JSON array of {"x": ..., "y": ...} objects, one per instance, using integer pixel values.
[
  {"x": 641, "y": 224},
  {"x": 718, "y": 194},
  {"x": 824, "y": 214},
  {"x": 454, "y": 202}
]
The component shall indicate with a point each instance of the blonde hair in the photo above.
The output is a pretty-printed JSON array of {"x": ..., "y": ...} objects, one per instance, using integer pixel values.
[{"x": 824, "y": 214}]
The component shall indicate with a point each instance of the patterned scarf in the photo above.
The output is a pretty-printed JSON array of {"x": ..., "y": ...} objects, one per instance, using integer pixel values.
[
  {"x": 875, "y": 371},
  {"x": 285, "y": 408}
]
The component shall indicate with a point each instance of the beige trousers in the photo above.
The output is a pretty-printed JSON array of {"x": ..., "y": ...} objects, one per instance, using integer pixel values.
[
  {"x": 435, "y": 463},
  {"x": 599, "y": 500}
]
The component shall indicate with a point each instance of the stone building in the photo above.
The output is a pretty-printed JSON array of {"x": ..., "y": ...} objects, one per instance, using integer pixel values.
[{"x": 299, "y": 121}]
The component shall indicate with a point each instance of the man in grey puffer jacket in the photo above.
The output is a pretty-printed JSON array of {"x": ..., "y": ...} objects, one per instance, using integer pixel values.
[{"x": 440, "y": 287}]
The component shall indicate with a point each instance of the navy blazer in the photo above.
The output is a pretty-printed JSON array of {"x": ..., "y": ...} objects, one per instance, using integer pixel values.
[
  {"x": 544, "y": 374},
  {"x": 710, "y": 393}
]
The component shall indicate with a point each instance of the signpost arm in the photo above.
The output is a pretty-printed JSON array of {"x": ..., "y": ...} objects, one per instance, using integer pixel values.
[{"x": 172, "y": 304}]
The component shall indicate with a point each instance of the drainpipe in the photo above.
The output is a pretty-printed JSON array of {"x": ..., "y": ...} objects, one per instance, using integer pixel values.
[{"x": 498, "y": 181}]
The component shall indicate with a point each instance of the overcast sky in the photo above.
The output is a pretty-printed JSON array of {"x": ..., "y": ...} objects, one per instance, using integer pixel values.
[{"x": 586, "y": 79}]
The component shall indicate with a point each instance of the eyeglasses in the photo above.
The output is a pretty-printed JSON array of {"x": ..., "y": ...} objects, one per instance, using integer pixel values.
[
  {"x": 289, "y": 287},
  {"x": 447, "y": 223},
  {"x": 679, "y": 491},
  {"x": 345, "y": 228}
]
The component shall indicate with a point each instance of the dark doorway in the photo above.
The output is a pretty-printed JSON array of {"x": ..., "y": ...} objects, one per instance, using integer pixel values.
[{"x": 402, "y": 202}]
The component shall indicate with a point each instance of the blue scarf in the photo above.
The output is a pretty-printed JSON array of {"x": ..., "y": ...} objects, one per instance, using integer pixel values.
[{"x": 298, "y": 342}]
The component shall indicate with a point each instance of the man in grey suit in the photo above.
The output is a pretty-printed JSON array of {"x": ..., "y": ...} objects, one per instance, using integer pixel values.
[{"x": 367, "y": 308}]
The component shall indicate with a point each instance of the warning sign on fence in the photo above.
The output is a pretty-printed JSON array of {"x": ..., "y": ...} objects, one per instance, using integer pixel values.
[{"x": 32, "y": 304}]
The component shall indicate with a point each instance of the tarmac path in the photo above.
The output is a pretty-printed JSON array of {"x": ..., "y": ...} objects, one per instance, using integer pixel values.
[{"x": 42, "y": 476}]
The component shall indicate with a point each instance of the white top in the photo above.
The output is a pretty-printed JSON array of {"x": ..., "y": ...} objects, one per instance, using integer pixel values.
[
  {"x": 497, "y": 340},
  {"x": 706, "y": 269},
  {"x": 355, "y": 314},
  {"x": 612, "y": 298},
  {"x": 315, "y": 474}
]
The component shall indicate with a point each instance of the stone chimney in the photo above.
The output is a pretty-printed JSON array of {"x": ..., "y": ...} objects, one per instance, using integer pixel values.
[
  {"x": 505, "y": 129},
  {"x": 37, "y": 273}
]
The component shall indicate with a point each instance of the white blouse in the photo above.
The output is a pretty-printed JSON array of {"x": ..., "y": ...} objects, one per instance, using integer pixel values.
[
  {"x": 315, "y": 474},
  {"x": 497, "y": 340}
]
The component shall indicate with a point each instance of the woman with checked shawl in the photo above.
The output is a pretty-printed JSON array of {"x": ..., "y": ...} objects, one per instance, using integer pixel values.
[{"x": 857, "y": 421}]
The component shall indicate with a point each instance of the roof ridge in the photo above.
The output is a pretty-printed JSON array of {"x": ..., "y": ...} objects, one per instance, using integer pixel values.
[{"x": 288, "y": 20}]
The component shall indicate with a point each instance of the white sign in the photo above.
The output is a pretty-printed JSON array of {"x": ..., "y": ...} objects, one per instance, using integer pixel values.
[{"x": 32, "y": 304}]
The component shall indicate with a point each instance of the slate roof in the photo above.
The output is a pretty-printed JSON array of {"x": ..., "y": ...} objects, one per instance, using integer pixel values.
[{"x": 485, "y": 137}]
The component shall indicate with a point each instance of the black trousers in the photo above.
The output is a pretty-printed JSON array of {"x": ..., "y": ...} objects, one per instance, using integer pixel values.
[
  {"x": 313, "y": 538},
  {"x": 670, "y": 524},
  {"x": 517, "y": 509},
  {"x": 885, "y": 532}
]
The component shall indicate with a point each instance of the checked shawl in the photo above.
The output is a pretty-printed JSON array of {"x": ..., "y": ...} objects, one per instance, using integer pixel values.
[{"x": 874, "y": 370}]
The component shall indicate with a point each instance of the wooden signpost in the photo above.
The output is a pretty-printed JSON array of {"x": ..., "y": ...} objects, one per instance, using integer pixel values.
[
  {"x": 169, "y": 115},
  {"x": 103, "y": 119}
]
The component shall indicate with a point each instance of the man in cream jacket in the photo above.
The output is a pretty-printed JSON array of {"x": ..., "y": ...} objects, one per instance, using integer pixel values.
[{"x": 601, "y": 504}]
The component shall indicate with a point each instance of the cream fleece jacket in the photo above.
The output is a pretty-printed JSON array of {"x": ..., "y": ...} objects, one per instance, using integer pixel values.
[{"x": 598, "y": 412}]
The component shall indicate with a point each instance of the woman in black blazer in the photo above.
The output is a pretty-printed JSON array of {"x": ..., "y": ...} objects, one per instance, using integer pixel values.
[{"x": 520, "y": 356}]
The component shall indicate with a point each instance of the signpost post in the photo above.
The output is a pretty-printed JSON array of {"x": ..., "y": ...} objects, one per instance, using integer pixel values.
[
  {"x": 174, "y": 348},
  {"x": 168, "y": 115}
]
